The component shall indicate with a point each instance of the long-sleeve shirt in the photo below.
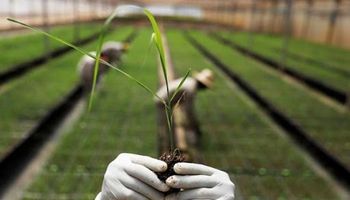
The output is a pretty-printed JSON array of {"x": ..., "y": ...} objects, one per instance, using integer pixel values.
[{"x": 86, "y": 67}]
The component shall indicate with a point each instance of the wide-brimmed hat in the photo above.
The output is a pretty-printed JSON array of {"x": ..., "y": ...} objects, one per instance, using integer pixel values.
[
  {"x": 112, "y": 45},
  {"x": 206, "y": 77}
]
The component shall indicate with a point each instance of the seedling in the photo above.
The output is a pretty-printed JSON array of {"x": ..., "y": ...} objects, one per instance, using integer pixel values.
[{"x": 174, "y": 155}]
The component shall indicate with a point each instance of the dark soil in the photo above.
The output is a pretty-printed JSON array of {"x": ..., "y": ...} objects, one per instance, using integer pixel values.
[{"x": 171, "y": 158}]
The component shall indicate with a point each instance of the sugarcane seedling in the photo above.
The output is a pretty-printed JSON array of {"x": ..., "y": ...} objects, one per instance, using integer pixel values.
[{"x": 173, "y": 155}]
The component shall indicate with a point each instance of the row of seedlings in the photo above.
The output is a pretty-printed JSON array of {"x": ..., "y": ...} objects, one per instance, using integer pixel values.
[
  {"x": 335, "y": 75},
  {"x": 332, "y": 56},
  {"x": 22, "y": 48}
]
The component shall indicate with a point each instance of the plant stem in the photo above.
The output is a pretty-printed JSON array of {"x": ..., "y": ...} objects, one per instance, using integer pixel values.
[{"x": 168, "y": 112}]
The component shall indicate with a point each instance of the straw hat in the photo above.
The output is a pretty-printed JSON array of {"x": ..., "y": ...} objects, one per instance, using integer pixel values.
[
  {"x": 206, "y": 77},
  {"x": 111, "y": 45}
]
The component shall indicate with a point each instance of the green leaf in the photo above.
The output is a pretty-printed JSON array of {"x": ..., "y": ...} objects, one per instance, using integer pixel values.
[
  {"x": 159, "y": 44},
  {"x": 98, "y": 56},
  {"x": 156, "y": 30},
  {"x": 180, "y": 85}
]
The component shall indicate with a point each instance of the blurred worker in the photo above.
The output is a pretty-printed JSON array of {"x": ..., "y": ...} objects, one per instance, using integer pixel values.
[
  {"x": 187, "y": 131},
  {"x": 111, "y": 52},
  {"x": 114, "y": 50},
  {"x": 86, "y": 68},
  {"x": 132, "y": 176}
]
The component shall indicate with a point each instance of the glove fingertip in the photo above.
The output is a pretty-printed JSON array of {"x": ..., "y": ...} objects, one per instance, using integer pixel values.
[
  {"x": 171, "y": 181},
  {"x": 162, "y": 167},
  {"x": 177, "y": 168}
]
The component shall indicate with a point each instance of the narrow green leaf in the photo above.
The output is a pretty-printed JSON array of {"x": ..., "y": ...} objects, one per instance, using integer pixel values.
[
  {"x": 159, "y": 45},
  {"x": 169, "y": 118},
  {"x": 96, "y": 67},
  {"x": 155, "y": 29},
  {"x": 98, "y": 55},
  {"x": 180, "y": 85}
]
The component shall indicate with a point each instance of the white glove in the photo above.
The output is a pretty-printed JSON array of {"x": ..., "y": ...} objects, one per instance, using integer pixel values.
[
  {"x": 200, "y": 182},
  {"x": 132, "y": 176}
]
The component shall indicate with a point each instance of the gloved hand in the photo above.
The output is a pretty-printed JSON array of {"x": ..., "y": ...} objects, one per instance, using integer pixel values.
[
  {"x": 132, "y": 176},
  {"x": 200, "y": 182}
]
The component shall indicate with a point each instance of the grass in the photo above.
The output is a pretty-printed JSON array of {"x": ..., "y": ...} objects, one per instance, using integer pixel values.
[
  {"x": 23, "y": 48},
  {"x": 122, "y": 120},
  {"x": 327, "y": 126},
  {"x": 262, "y": 164},
  {"x": 266, "y": 46},
  {"x": 32, "y": 96}
]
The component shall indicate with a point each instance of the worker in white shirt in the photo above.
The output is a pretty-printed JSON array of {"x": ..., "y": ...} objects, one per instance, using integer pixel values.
[
  {"x": 111, "y": 52},
  {"x": 186, "y": 128},
  {"x": 133, "y": 177}
]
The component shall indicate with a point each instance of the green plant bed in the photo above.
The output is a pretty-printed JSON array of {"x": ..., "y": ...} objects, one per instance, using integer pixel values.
[
  {"x": 26, "y": 47},
  {"x": 28, "y": 99},
  {"x": 67, "y": 32},
  {"x": 331, "y": 55},
  {"x": 236, "y": 139},
  {"x": 122, "y": 119},
  {"x": 266, "y": 46},
  {"x": 328, "y": 127},
  {"x": 87, "y": 29}
]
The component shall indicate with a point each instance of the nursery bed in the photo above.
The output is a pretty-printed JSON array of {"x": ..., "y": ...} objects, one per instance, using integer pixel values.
[
  {"x": 23, "y": 48},
  {"x": 266, "y": 47}
]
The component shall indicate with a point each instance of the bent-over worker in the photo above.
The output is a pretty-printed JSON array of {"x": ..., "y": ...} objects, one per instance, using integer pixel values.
[
  {"x": 111, "y": 52},
  {"x": 114, "y": 50},
  {"x": 187, "y": 131}
]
